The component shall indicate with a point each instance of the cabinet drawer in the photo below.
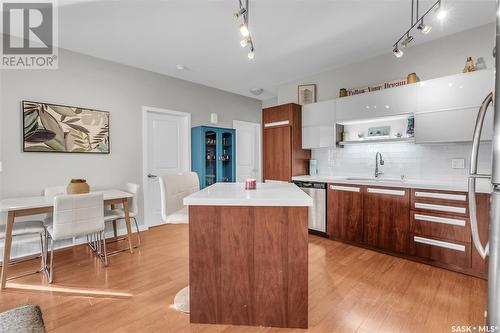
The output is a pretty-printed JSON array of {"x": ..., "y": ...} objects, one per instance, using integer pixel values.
[
  {"x": 458, "y": 210},
  {"x": 440, "y": 226},
  {"x": 446, "y": 202},
  {"x": 426, "y": 195},
  {"x": 445, "y": 252}
]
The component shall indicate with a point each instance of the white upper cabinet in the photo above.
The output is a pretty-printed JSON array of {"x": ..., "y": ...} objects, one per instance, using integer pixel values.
[
  {"x": 447, "y": 107},
  {"x": 458, "y": 91},
  {"x": 318, "y": 125},
  {"x": 383, "y": 103}
]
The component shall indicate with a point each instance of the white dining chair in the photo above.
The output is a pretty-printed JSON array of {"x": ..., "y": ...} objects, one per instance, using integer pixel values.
[
  {"x": 116, "y": 214},
  {"x": 28, "y": 228},
  {"x": 78, "y": 215},
  {"x": 50, "y": 193},
  {"x": 173, "y": 189}
]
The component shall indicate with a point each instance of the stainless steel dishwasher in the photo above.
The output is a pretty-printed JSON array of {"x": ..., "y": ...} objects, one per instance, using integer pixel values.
[{"x": 317, "y": 213}]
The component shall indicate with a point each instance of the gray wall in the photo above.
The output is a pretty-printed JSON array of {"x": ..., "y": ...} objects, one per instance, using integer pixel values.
[
  {"x": 441, "y": 57},
  {"x": 86, "y": 81}
]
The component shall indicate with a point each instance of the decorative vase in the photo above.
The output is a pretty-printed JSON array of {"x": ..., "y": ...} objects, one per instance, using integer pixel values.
[
  {"x": 411, "y": 78},
  {"x": 469, "y": 65},
  {"x": 343, "y": 92},
  {"x": 78, "y": 186}
]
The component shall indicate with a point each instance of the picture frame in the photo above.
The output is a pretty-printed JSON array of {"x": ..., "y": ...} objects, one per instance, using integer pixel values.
[
  {"x": 306, "y": 94},
  {"x": 57, "y": 128}
]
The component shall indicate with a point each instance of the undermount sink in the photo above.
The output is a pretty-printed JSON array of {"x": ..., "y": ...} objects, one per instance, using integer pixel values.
[{"x": 372, "y": 179}]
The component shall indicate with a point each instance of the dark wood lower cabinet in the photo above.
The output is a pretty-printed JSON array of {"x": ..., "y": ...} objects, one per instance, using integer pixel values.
[
  {"x": 345, "y": 212},
  {"x": 386, "y": 218},
  {"x": 428, "y": 226}
]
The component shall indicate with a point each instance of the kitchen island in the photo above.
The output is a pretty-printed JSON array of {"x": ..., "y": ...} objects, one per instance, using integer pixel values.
[{"x": 248, "y": 255}]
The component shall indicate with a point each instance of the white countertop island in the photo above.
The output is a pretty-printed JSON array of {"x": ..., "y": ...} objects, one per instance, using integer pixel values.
[{"x": 234, "y": 194}]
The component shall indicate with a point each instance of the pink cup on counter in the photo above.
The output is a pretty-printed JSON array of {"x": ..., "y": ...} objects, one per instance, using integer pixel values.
[{"x": 250, "y": 184}]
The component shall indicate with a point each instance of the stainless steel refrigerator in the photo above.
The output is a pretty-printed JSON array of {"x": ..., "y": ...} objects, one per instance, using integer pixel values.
[{"x": 491, "y": 247}]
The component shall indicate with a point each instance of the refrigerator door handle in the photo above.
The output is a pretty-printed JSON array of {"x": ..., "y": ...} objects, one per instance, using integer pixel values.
[{"x": 473, "y": 175}]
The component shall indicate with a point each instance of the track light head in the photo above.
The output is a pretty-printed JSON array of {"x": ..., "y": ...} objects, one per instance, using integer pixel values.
[
  {"x": 251, "y": 54},
  {"x": 397, "y": 52},
  {"x": 407, "y": 40},
  {"x": 424, "y": 28},
  {"x": 441, "y": 14},
  {"x": 244, "y": 30},
  {"x": 441, "y": 11},
  {"x": 245, "y": 41},
  {"x": 239, "y": 14}
]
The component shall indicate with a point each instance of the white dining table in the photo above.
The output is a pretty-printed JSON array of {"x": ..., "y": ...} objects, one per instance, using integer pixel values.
[{"x": 25, "y": 206}]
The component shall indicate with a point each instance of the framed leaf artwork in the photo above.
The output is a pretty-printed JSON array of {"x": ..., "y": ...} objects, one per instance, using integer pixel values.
[{"x": 64, "y": 129}]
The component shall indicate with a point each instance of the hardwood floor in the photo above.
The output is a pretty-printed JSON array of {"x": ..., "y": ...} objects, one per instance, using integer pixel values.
[{"x": 350, "y": 290}]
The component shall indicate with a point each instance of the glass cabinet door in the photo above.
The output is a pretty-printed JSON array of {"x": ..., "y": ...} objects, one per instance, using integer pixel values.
[
  {"x": 226, "y": 157},
  {"x": 210, "y": 157}
]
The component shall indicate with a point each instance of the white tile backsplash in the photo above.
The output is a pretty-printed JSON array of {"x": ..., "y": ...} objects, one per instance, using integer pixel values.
[{"x": 415, "y": 161}]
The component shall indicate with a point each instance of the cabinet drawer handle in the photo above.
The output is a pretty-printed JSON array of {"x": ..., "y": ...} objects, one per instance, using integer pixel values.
[
  {"x": 428, "y": 218},
  {"x": 277, "y": 123},
  {"x": 344, "y": 188},
  {"x": 388, "y": 192},
  {"x": 444, "y": 196},
  {"x": 433, "y": 242},
  {"x": 441, "y": 208}
]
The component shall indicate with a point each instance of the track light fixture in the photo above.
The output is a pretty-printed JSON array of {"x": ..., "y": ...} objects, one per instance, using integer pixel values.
[
  {"x": 242, "y": 13},
  {"x": 418, "y": 22},
  {"x": 407, "y": 40},
  {"x": 251, "y": 54},
  {"x": 244, "y": 30},
  {"x": 397, "y": 52},
  {"x": 245, "y": 41},
  {"x": 239, "y": 14},
  {"x": 424, "y": 28}
]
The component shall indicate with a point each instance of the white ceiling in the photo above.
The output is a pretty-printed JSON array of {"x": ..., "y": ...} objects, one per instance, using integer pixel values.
[{"x": 292, "y": 39}]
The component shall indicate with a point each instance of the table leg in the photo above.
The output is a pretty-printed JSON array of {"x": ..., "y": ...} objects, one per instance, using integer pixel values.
[
  {"x": 6, "y": 248},
  {"x": 115, "y": 232},
  {"x": 127, "y": 222}
]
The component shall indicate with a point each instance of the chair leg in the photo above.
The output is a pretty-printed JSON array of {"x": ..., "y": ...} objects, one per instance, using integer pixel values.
[
  {"x": 51, "y": 272},
  {"x": 138, "y": 233},
  {"x": 104, "y": 248},
  {"x": 98, "y": 240},
  {"x": 42, "y": 253}
]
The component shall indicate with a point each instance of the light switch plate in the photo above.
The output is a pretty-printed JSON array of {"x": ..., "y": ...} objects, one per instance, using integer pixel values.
[{"x": 458, "y": 163}]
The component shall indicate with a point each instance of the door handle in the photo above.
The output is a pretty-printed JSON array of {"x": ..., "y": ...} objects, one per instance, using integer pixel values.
[
  {"x": 152, "y": 176},
  {"x": 476, "y": 139}
]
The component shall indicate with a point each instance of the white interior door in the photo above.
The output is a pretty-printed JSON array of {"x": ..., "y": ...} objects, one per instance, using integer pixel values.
[
  {"x": 167, "y": 150},
  {"x": 248, "y": 148}
]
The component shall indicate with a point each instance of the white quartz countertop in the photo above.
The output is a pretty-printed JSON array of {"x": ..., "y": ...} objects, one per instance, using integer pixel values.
[
  {"x": 483, "y": 186},
  {"x": 234, "y": 194}
]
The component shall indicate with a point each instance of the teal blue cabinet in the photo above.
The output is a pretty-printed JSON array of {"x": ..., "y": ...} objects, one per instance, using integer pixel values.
[{"x": 213, "y": 154}]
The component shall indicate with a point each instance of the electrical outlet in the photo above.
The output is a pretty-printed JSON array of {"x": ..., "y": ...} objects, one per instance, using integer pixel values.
[{"x": 458, "y": 163}]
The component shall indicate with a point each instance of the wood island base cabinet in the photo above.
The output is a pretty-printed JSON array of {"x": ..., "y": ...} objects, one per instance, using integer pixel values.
[
  {"x": 248, "y": 265},
  {"x": 427, "y": 226}
]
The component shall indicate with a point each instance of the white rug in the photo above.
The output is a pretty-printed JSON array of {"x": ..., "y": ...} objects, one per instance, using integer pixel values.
[{"x": 181, "y": 300}]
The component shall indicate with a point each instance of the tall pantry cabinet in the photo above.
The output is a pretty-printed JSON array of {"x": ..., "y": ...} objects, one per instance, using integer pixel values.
[{"x": 283, "y": 156}]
